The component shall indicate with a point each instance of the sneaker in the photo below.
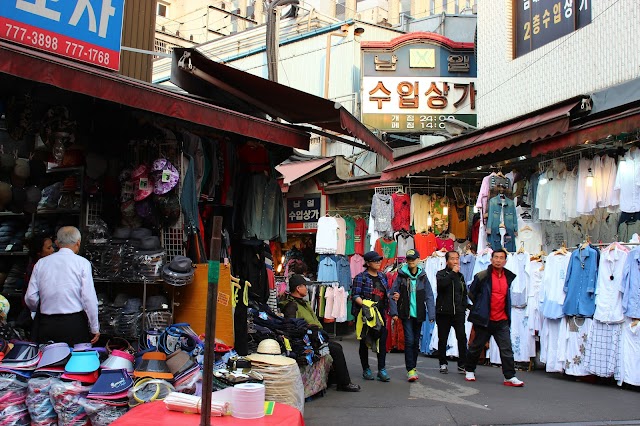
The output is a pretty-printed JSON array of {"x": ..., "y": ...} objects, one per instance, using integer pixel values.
[
  {"x": 367, "y": 374},
  {"x": 412, "y": 375},
  {"x": 351, "y": 387},
  {"x": 461, "y": 370},
  {"x": 383, "y": 376},
  {"x": 470, "y": 376},
  {"x": 514, "y": 381},
  {"x": 444, "y": 369}
]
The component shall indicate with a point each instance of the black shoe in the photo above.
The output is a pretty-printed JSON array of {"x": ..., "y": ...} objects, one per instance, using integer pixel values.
[{"x": 351, "y": 387}]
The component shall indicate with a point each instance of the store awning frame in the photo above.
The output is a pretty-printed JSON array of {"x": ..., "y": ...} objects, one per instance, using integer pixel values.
[
  {"x": 197, "y": 74},
  {"x": 68, "y": 75},
  {"x": 531, "y": 128},
  {"x": 298, "y": 171}
]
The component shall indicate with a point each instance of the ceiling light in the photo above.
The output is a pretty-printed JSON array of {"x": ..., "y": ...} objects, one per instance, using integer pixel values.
[
  {"x": 589, "y": 181},
  {"x": 543, "y": 179}
]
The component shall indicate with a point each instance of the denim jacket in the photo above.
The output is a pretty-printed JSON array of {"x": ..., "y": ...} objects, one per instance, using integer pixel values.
[
  {"x": 580, "y": 283},
  {"x": 510, "y": 216},
  {"x": 630, "y": 287}
]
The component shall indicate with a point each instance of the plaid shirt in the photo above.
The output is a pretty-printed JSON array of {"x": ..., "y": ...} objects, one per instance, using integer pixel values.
[{"x": 363, "y": 287}]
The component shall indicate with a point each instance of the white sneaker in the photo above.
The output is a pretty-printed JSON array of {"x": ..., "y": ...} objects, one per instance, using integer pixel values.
[
  {"x": 514, "y": 381},
  {"x": 470, "y": 376},
  {"x": 444, "y": 369}
]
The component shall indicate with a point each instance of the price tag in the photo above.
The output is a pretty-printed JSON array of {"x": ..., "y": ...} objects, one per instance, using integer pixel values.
[
  {"x": 223, "y": 299},
  {"x": 287, "y": 344},
  {"x": 9, "y": 247},
  {"x": 166, "y": 175},
  {"x": 144, "y": 183}
]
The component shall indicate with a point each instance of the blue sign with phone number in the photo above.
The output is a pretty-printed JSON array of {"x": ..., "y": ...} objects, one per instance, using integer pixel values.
[{"x": 86, "y": 30}]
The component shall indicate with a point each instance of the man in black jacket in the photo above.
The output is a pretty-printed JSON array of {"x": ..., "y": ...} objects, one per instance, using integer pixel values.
[
  {"x": 490, "y": 293},
  {"x": 451, "y": 305}
]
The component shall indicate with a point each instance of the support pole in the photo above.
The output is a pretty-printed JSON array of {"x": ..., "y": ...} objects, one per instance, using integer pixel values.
[{"x": 210, "y": 326}]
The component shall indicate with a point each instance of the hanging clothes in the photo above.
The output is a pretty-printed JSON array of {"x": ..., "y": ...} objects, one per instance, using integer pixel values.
[
  {"x": 629, "y": 370},
  {"x": 387, "y": 248},
  {"x": 350, "y": 230},
  {"x": 401, "y": 211},
  {"x": 458, "y": 220},
  {"x": 342, "y": 235},
  {"x": 420, "y": 207},
  {"x": 327, "y": 235},
  {"x": 534, "y": 312},
  {"x": 343, "y": 267},
  {"x": 467, "y": 262},
  {"x": 356, "y": 264},
  {"x": 426, "y": 244},
  {"x": 627, "y": 179},
  {"x": 609, "y": 289},
  {"x": 587, "y": 199},
  {"x": 549, "y": 336},
  {"x": 603, "y": 348},
  {"x": 555, "y": 273},
  {"x": 580, "y": 283},
  {"x": 382, "y": 211},
  {"x": 328, "y": 268},
  {"x": 574, "y": 333},
  {"x": 405, "y": 243},
  {"x": 360, "y": 234},
  {"x": 630, "y": 285}
]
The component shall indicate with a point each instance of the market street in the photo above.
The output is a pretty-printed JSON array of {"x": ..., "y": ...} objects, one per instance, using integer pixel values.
[{"x": 447, "y": 399}]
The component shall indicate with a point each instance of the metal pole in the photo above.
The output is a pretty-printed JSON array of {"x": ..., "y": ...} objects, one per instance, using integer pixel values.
[{"x": 210, "y": 326}]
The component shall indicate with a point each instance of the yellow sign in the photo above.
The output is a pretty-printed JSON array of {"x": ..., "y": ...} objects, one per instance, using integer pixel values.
[{"x": 422, "y": 58}]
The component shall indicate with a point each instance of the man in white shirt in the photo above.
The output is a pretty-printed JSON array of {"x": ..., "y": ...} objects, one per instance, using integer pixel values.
[{"x": 62, "y": 287}]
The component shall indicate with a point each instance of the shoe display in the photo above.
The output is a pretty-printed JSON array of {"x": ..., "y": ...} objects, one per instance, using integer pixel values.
[
  {"x": 514, "y": 381},
  {"x": 351, "y": 387},
  {"x": 444, "y": 369},
  {"x": 412, "y": 375},
  {"x": 383, "y": 376},
  {"x": 461, "y": 370},
  {"x": 470, "y": 376},
  {"x": 367, "y": 374}
]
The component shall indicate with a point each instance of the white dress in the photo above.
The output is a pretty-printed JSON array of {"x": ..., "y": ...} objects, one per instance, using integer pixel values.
[
  {"x": 587, "y": 198},
  {"x": 327, "y": 235},
  {"x": 629, "y": 368},
  {"x": 549, "y": 336},
  {"x": 574, "y": 333}
]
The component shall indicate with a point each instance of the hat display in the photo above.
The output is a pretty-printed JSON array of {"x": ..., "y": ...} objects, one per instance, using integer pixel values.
[
  {"x": 372, "y": 256},
  {"x": 21, "y": 169},
  {"x": 412, "y": 254},
  {"x": 5, "y": 194},
  {"x": 80, "y": 347},
  {"x": 88, "y": 378},
  {"x": 269, "y": 352},
  {"x": 153, "y": 364},
  {"x": 158, "y": 302},
  {"x": 165, "y": 176},
  {"x": 132, "y": 305},
  {"x": 149, "y": 390},
  {"x": 82, "y": 362},
  {"x": 34, "y": 195},
  {"x": 112, "y": 382},
  {"x": 118, "y": 360},
  {"x": 22, "y": 352},
  {"x": 144, "y": 208},
  {"x": 55, "y": 354},
  {"x": 140, "y": 233},
  {"x": 168, "y": 206},
  {"x": 179, "y": 271},
  {"x": 179, "y": 362},
  {"x": 296, "y": 280},
  {"x": 142, "y": 186}
]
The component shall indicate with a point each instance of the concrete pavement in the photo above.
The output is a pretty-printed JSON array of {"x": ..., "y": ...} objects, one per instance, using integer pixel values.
[{"x": 449, "y": 400}]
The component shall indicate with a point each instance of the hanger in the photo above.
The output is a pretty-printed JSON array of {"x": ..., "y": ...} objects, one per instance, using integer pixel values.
[
  {"x": 521, "y": 249},
  {"x": 563, "y": 249},
  {"x": 526, "y": 228},
  {"x": 399, "y": 191},
  {"x": 586, "y": 242},
  {"x": 236, "y": 282}
]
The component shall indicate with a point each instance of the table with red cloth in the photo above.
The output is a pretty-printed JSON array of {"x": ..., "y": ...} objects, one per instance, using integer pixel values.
[{"x": 156, "y": 414}]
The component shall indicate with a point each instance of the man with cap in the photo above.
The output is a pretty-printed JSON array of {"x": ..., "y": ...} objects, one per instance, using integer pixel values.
[
  {"x": 61, "y": 285},
  {"x": 294, "y": 306},
  {"x": 412, "y": 290},
  {"x": 451, "y": 306},
  {"x": 372, "y": 285}
]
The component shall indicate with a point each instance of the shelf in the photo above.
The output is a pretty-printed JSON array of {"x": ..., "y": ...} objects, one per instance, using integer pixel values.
[
  {"x": 14, "y": 253},
  {"x": 116, "y": 281},
  {"x": 12, "y": 214},
  {"x": 65, "y": 169},
  {"x": 57, "y": 211}
]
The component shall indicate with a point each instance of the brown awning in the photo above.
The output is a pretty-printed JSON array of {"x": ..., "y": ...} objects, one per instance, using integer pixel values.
[
  {"x": 259, "y": 96},
  {"x": 68, "y": 75},
  {"x": 300, "y": 170},
  {"x": 484, "y": 142}
]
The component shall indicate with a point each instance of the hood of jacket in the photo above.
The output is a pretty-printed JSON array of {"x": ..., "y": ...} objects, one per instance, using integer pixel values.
[{"x": 404, "y": 271}]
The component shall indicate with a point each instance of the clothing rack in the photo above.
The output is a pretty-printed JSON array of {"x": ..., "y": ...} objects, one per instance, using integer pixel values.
[
  {"x": 327, "y": 284},
  {"x": 350, "y": 211}
]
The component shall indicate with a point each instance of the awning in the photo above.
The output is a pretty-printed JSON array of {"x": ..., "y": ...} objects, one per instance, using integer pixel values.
[
  {"x": 300, "y": 170},
  {"x": 190, "y": 69},
  {"x": 75, "y": 77},
  {"x": 485, "y": 141}
]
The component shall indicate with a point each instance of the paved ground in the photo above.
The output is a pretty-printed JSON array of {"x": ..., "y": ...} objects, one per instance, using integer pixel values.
[{"x": 448, "y": 399}]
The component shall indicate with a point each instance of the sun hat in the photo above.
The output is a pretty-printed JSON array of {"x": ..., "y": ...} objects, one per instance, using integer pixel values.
[
  {"x": 120, "y": 300},
  {"x": 34, "y": 195},
  {"x": 20, "y": 374},
  {"x": 179, "y": 271},
  {"x": 22, "y": 352},
  {"x": 165, "y": 176},
  {"x": 112, "y": 382},
  {"x": 81, "y": 347},
  {"x": 118, "y": 360},
  {"x": 269, "y": 352},
  {"x": 178, "y": 362},
  {"x": 140, "y": 233},
  {"x": 149, "y": 245},
  {"x": 149, "y": 390},
  {"x": 88, "y": 378},
  {"x": 82, "y": 362},
  {"x": 55, "y": 354},
  {"x": 153, "y": 364}
]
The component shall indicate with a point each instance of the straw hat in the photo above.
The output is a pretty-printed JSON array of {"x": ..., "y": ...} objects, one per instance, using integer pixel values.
[{"x": 269, "y": 353}]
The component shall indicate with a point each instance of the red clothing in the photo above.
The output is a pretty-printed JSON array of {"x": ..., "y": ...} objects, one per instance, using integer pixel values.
[
  {"x": 426, "y": 244},
  {"x": 499, "y": 288},
  {"x": 253, "y": 158},
  {"x": 360, "y": 235},
  {"x": 444, "y": 244},
  {"x": 475, "y": 230},
  {"x": 401, "y": 211}
]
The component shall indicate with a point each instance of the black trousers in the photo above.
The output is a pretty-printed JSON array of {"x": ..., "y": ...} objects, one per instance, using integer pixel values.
[
  {"x": 339, "y": 373},
  {"x": 500, "y": 331},
  {"x": 445, "y": 322},
  {"x": 63, "y": 328},
  {"x": 382, "y": 354}
]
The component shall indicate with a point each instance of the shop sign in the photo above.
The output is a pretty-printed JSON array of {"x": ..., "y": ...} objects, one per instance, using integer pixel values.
[
  {"x": 84, "y": 30},
  {"x": 539, "y": 22},
  {"x": 418, "y": 103},
  {"x": 303, "y": 213}
]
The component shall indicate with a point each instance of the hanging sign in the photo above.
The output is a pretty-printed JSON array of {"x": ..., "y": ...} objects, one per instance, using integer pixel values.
[
  {"x": 85, "y": 30},
  {"x": 303, "y": 213}
]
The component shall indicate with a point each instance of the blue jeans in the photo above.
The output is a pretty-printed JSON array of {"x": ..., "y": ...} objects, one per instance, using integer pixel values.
[{"x": 412, "y": 328}]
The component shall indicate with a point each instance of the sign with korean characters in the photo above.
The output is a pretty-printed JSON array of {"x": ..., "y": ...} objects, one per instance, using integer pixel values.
[
  {"x": 539, "y": 22},
  {"x": 417, "y": 104},
  {"x": 303, "y": 213},
  {"x": 84, "y": 30}
]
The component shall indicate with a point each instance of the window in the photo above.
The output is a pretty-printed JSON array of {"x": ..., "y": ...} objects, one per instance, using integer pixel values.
[
  {"x": 341, "y": 10},
  {"x": 432, "y": 7},
  {"x": 162, "y": 10}
]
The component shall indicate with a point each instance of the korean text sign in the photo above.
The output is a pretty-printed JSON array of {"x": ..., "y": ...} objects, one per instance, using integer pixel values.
[
  {"x": 539, "y": 22},
  {"x": 85, "y": 30},
  {"x": 303, "y": 213}
]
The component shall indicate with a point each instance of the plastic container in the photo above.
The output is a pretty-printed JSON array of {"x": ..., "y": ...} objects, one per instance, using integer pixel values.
[{"x": 247, "y": 401}]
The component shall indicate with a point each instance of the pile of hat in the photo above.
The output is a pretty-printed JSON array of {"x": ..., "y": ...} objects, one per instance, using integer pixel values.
[
  {"x": 128, "y": 322},
  {"x": 145, "y": 262},
  {"x": 149, "y": 193},
  {"x": 12, "y": 235},
  {"x": 179, "y": 271},
  {"x": 20, "y": 183}
]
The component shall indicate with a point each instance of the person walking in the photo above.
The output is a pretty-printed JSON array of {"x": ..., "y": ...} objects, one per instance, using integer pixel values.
[
  {"x": 62, "y": 284},
  {"x": 371, "y": 285},
  {"x": 491, "y": 312},
  {"x": 414, "y": 296},
  {"x": 294, "y": 306},
  {"x": 451, "y": 306}
]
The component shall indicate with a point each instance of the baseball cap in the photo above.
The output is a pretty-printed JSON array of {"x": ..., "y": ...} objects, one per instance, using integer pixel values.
[
  {"x": 296, "y": 280},
  {"x": 372, "y": 256},
  {"x": 412, "y": 254}
]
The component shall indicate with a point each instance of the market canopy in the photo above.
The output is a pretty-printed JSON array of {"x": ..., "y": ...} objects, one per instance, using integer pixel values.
[
  {"x": 195, "y": 73},
  {"x": 68, "y": 75},
  {"x": 486, "y": 141}
]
